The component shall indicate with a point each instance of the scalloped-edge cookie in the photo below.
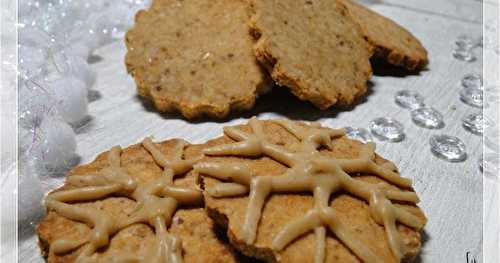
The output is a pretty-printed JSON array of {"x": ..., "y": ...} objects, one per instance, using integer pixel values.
[
  {"x": 195, "y": 57},
  {"x": 293, "y": 192},
  {"x": 314, "y": 48},
  {"x": 391, "y": 41}
]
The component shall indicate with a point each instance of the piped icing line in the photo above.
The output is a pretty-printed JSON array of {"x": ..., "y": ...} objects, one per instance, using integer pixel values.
[
  {"x": 157, "y": 201},
  {"x": 310, "y": 171}
]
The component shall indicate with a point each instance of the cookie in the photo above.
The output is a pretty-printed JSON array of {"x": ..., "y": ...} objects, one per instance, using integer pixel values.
[
  {"x": 294, "y": 192},
  {"x": 195, "y": 57},
  {"x": 314, "y": 48},
  {"x": 132, "y": 205},
  {"x": 391, "y": 41}
]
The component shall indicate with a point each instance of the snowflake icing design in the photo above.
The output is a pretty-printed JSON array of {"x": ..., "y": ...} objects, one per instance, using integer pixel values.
[
  {"x": 310, "y": 171},
  {"x": 157, "y": 201}
]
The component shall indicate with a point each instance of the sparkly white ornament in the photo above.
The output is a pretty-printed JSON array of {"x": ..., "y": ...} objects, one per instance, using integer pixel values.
[
  {"x": 409, "y": 99},
  {"x": 448, "y": 148},
  {"x": 427, "y": 118},
  {"x": 475, "y": 123},
  {"x": 387, "y": 129},
  {"x": 360, "y": 134},
  {"x": 472, "y": 80},
  {"x": 71, "y": 96},
  {"x": 57, "y": 144},
  {"x": 472, "y": 97}
]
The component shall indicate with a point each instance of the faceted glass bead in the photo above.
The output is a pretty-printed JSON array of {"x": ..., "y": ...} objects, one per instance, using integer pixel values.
[
  {"x": 448, "y": 148},
  {"x": 463, "y": 54},
  {"x": 409, "y": 99},
  {"x": 475, "y": 123},
  {"x": 473, "y": 81},
  {"x": 360, "y": 134},
  {"x": 427, "y": 118},
  {"x": 387, "y": 129},
  {"x": 472, "y": 97}
]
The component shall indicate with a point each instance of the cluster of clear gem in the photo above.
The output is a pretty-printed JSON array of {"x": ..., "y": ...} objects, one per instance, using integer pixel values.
[{"x": 421, "y": 115}]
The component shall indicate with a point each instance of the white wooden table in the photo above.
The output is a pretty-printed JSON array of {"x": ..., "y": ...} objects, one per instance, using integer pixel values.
[{"x": 451, "y": 193}]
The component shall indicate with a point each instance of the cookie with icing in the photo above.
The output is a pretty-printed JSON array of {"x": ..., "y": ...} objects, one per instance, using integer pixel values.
[
  {"x": 195, "y": 57},
  {"x": 391, "y": 41},
  {"x": 314, "y": 48},
  {"x": 138, "y": 204},
  {"x": 294, "y": 192}
]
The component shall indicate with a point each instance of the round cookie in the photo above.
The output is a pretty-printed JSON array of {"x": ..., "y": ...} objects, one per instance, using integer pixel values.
[
  {"x": 132, "y": 205},
  {"x": 391, "y": 41},
  {"x": 195, "y": 56},
  {"x": 291, "y": 192},
  {"x": 314, "y": 48}
]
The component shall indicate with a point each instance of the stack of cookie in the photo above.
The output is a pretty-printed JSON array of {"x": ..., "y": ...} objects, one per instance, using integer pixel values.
[
  {"x": 278, "y": 191},
  {"x": 209, "y": 57}
]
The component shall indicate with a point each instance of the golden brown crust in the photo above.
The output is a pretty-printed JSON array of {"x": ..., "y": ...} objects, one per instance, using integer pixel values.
[
  {"x": 195, "y": 57},
  {"x": 391, "y": 41},
  {"x": 192, "y": 225},
  {"x": 281, "y": 209},
  {"x": 314, "y": 48}
]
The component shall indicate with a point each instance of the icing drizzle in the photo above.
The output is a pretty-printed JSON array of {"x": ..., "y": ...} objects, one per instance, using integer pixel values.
[
  {"x": 311, "y": 171},
  {"x": 157, "y": 201}
]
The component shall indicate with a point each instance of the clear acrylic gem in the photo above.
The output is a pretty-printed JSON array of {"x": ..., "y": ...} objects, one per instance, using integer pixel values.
[
  {"x": 475, "y": 123},
  {"x": 490, "y": 165},
  {"x": 448, "y": 148},
  {"x": 387, "y": 129},
  {"x": 360, "y": 134},
  {"x": 427, "y": 118},
  {"x": 409, "y": 99},
  {"x": 472, "y": 97},
  {"x": 472, "y": 81},
  {"x": 463, "y": 54}
]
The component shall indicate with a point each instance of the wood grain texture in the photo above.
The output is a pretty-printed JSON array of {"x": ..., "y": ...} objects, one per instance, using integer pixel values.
[{"x": 451, "y": 193}]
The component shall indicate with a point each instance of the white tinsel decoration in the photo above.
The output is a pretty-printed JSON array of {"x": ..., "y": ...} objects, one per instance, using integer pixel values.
[{"x": 56, "y": 38}]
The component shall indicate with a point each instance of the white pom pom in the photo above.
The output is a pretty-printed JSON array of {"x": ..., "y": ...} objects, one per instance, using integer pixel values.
[
  {"x": 57, "y": 143},
  {"x": 71, "y": 96},
  {"x": 30, "y": 194},
  {"x": 81, "y": 70}
]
